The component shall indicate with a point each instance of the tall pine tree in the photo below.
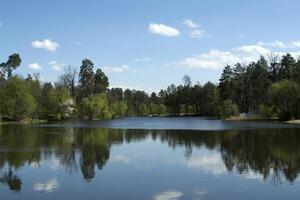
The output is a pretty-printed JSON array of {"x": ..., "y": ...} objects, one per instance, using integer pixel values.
[
  {"x": 101, "y": 81},
  {"x": 86, "y": 78}
]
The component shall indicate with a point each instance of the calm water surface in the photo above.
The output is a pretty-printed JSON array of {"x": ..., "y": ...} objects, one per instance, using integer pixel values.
[{"x": 143, "y": 158}]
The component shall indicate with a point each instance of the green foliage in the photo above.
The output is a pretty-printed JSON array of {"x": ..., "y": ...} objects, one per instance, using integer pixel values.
[
  {"x": 226, "y": 84},
  {"x": 285, "y": 96},
  {"x": 157, "y": 109},
  {"x": 137, "y": 101},
  {"x": 56, "y": 102},
  {"x": 115, "y": 94},
  {"x": 227, "y": 109},
  {"x": 95, "y": 106},
  {"x": 12, "y": 63},
  {"x": 68, "y": 80},
  {"x": 266, "y": 112},
  {"x": 197, "y": 99},
  {"x": 118, "y": 109},
  {"x": 35, "y": 90},
  {"x": 287, "y": 65},
  {"x": 246, "y": 85},
  {"x": 86, "y": 78},
  {"x": 16, "y": 100},
  {"x": 101, "y": 81},
  {"x": 266, "y": 88}
]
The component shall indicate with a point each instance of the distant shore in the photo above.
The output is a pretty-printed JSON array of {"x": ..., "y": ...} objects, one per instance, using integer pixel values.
[
  {"x": 23, "y": 122},
  {"x": 296, "y": 121},
  {"x": 233, "y": 118}
]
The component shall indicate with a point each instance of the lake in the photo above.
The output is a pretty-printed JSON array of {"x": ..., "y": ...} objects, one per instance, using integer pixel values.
[{"x": 150, "y": 159}]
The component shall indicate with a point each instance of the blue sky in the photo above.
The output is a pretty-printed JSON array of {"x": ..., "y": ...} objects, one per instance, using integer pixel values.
[{"x": 146, "y": 44}]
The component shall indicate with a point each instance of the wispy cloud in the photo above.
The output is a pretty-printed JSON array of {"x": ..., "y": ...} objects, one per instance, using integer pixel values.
[
  {"x": 35, "y": 164},
  {"x": 118, "y": 69},
  {"x": 214, "y": 59},
  {"x": 217, "y": 59},
  {"x": 168, "y": 195},
  {"x": 280, "y": 44},
  {"x": 46, "y": 44},
  {"x": 189, "y": 23},
  {"x": 211, "y": 164},
  {"x": 57, "y": 66},
  {"x": 149, "y": 90},
  {"x": 35, "y": 66},
  {"x": 47, "y": 186},
  {"x": 252, "y": 175},
  {"x": 77, "y": 43},
  {"x": 55, "y": 165},
  {"x": 200, "y": 193},
  {"x": 164, "y": 30},
  {"x": 124, "y": 87},
  {"x": 197, "y": 33},
  {"x": 120, "y": 159},
  {"x": 241, "y": 35},
  {"x": 145, "y": 59}
]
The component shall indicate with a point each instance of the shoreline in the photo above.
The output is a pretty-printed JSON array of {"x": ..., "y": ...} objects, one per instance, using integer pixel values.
[
  {"x": 233, "y": 119},
  {"x": 296, "y": 121}
]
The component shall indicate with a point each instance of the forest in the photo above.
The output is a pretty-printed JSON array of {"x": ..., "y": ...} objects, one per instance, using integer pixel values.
[{"x": 265, "y": 89}]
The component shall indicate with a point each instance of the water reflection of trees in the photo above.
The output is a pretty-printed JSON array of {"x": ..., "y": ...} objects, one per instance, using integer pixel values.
[
  {"x": 267, "y": 152},
  {"x": 9, "y": 178}
]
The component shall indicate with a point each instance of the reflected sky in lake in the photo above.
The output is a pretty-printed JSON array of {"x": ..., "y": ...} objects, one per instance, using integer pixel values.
[
  {"x": 173, "y": 123},
  {"x": 100, "y": 163}
]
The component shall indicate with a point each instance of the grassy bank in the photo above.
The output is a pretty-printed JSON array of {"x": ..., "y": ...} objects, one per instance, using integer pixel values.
[
  {"x": 296, "y": 121},
  {"x": 253, "y": 117},
  {"x": 24, "y": 122}
]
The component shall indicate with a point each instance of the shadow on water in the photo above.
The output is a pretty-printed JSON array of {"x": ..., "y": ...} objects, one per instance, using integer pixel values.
[{"x": 269, "y": 152}]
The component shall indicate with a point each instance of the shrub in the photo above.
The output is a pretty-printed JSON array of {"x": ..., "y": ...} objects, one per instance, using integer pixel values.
[{"x": 227, "y": 109}]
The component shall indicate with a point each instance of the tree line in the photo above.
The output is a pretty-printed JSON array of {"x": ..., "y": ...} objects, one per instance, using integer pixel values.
[{"x": 264, "y": 89}]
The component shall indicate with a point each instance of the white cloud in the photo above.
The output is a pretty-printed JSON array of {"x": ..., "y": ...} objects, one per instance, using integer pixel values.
[
  {"x": 145, "y": 59},
  {"x": 253, "y": 50},
  {"x": 217, "y": 59},
  {"x": 214, "y": 59},
  {"x": 164, "y": 30},
  {"x": 119, "y": 69},
  {"x": 242, "y": 35},
  {"x": 295, "y": 54},
  {"x": 200, "y": 193},
  {"x": 35, "y": 66},
  {"x": 124, "y": 87},
  {"x": 296, "y": 43},
  {"x": 57, "y": 66},
  {"x": 197, "y": 33},
  {"x": 280, "y": 44},
  {"x": 46, "y": 44},
  {"x": 55, "y": 165},
  {"x": 77, "y": 43},
  {"x": 35, "y": 164},
  {"x": 120, "y": 158},
  {"x": 189, "y": 23},
  {"x": 210, "y": 163},
  {"x": 276, "y": 43},
  {"x": 252, "y": 175},
  {"x": 47, "y": 186},
  {"x": 149, "y": 90},
  {"x": 250, "y": 53},
  {"x": 168, "y": 195}
]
